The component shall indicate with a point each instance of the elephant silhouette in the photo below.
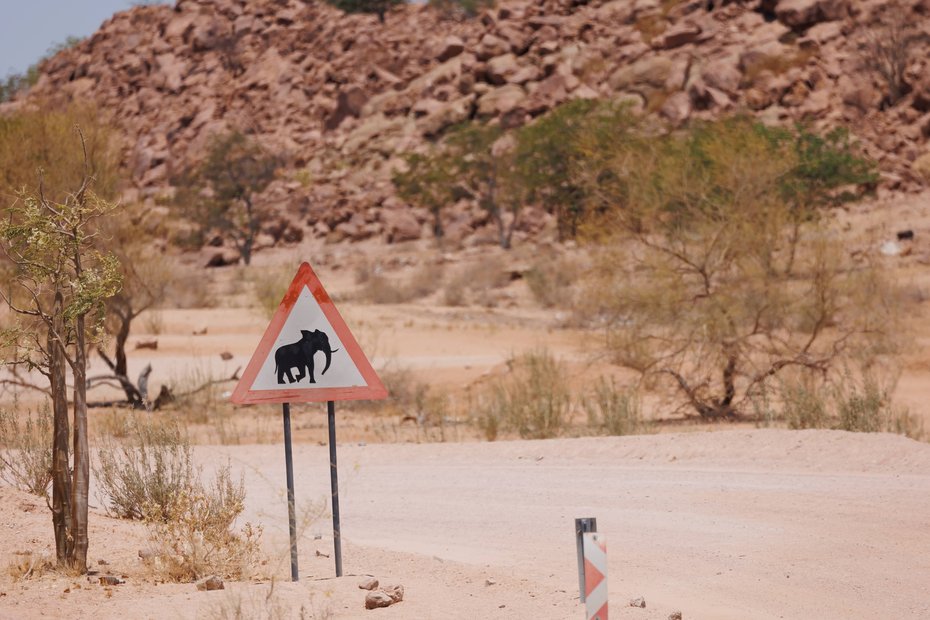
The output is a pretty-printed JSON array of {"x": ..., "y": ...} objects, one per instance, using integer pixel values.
[{"x": 300, "y": 354}]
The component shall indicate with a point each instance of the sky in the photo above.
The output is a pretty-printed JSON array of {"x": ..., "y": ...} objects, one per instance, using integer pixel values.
[{"x": 28, "y": 28}]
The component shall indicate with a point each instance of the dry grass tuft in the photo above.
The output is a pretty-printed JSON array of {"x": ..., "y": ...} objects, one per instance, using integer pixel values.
[
  {"x": 26, "y": 449},
  {"x": 28, "y": 565},
  {"x": 195, "y": 538}
]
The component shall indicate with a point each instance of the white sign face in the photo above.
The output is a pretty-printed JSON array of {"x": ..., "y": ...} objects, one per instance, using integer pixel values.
[
  {"x": 298, "y": 357},
  {"x": 308, "y": 354}
]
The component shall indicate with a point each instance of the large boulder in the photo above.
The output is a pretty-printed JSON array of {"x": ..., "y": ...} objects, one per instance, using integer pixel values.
[
  {"x": 801, "y": 14},
  {"x": 450, "y": 47},
  {"x": 446, "y": 115},
  {"x": 400, "y": 225},
  {"x": 501, "y": 68},
  {"x": 491, "y": 46},
  {"x": 501, "y": 100},
  {"x": 652, "y": 71}
]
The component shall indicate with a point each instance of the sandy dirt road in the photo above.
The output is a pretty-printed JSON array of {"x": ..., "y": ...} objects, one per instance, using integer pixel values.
[
  {"x": 741, "y": 524},
  {"x": 760, "y": 524}
]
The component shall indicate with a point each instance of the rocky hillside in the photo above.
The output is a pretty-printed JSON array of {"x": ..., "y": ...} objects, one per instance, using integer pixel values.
[{"x": 341, "y": 96}]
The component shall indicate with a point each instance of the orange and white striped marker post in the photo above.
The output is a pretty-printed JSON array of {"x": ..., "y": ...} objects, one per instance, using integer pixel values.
[{"x": 595, "y": 576}]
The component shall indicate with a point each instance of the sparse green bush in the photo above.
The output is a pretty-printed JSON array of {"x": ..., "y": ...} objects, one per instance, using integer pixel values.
[
  {"x": 865, "y": 405},
  {"x": 26, "y": 449},
  {"x": 534, "y": 400},
  {"x": 143, "y": 476},
  {"x": 857, "y": 402},
  {"x": 380, "y": 289},
  {"x": 378, "y": 7},
  {"x": 269, "y": 286},
  {"x": 478, "y": 283},
  {"x": 614, "y": 411},
  {"x": 461, "y": 9},
  {"x": 804, "y": 406},
  {"x": 552, "y": 282}
]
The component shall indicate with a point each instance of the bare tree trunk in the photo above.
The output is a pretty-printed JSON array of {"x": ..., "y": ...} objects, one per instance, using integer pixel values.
[
  {"x": 62, "y": 521},
  {"x": 81, "y": 453}
]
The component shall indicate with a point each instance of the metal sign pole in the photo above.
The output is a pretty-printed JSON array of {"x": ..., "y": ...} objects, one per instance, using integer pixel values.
[
  {"x": 581, "y": 526},
  {"x": 334, "y": 484},
  {"x": 289, "y": 464}
]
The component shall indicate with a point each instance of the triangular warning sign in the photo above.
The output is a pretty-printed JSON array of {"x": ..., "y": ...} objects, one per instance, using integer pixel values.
[{"x": 307, "y": 353}]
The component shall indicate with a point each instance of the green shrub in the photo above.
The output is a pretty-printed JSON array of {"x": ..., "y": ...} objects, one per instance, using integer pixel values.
[
  {"x": 461, "y": 9},
  {"x": 378, "y": 288},
  {"x": 804, "y": 406},
  {"x": 143, "y": 476},
  {"x": 534, "y": 400},
  {"x": 552, "y": 282},
  {"x": 614, "y": 411}
]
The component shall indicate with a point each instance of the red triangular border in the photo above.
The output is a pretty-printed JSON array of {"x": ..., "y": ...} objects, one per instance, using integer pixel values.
[{"x": 374, "y": 390}]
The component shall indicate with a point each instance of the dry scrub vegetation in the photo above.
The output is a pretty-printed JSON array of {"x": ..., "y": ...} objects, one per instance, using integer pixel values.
[{"x": 149, "y": 474}]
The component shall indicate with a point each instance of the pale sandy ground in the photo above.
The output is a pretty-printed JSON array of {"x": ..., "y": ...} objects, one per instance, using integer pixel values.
[{"x": 733, "y": 524}]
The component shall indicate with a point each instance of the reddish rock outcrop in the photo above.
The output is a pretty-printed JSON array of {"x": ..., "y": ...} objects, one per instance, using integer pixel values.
[{"x": 341, "y": 97}]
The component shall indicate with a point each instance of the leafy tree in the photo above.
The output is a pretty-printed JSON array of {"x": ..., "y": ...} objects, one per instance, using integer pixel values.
[
  {"x": 222, "y": 191},
  {"x": 548, "y": 153},
  {"x": 475, "y": 161},
  {"x": 59, "y": 283},
  {"x": 427, "y": 181},
  {"x": 378, "y": 7},
  {"x": 702, "y": 279}
]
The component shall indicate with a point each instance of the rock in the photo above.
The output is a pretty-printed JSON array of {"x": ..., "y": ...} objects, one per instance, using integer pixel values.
[
  {"x": 501, "y": 100},
  {"x": 400, "y": 225},
  {"x": 796, "y": 95},
  {"x": 211, "y": 583},
  {"x": 551, "y": 92},
  {"x": 450, "y": 47},
  {"x": 677, "y": 108},
  {"x": 677, "y": 35},
  {"x": 374, "y": 600},
  {"x": 675, "y": 615},
  {"x": 800, "y": 14},
  {"x": 348, "y": 103},
  {"x": 857, "y": 90},
  {"x": 638, "y": 602},
  {"x": 226, "y": 356},
  {"x": 368, "y": 583},
  {"x": 501, "y": 68},
  {"x": 395, "y": 592},
  {"x": 147, "y": 344},
  {"x": 921, "y": 100},
  {"x": 446, "y": 115},
  {"x": 223, "y": 258},
  {"x": 491, "y": 46},
  {"x": 704, "y": 97},
  {"x": 757, "y": 99},
  {"x": 173, "y": 70},
  {"x": 921, "y": 167},
  {"x": 651, "y": 70},
  {"x": 723, "y": 74},
  {"x": 110, "y": 580}
]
